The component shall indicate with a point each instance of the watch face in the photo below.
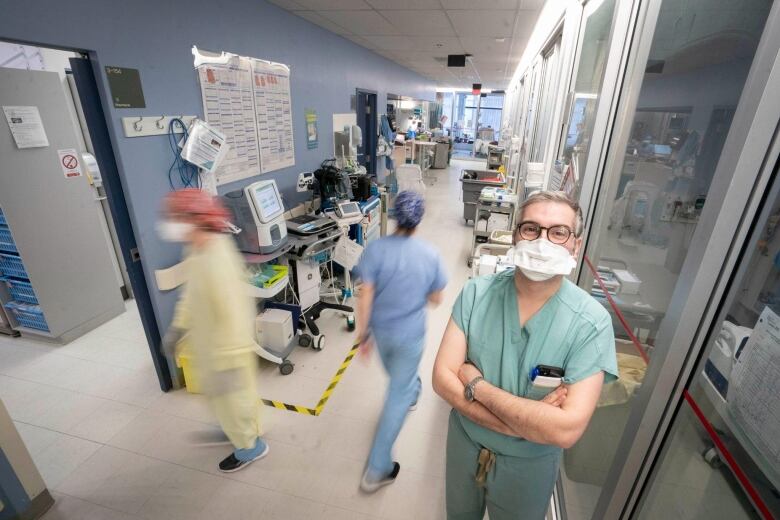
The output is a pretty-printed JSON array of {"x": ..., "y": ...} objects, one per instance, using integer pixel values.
[{"x": 469, "y": 393}]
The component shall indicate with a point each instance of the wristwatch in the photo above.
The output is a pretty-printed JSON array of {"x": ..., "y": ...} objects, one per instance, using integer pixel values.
[{"x": 468, "y": 392}]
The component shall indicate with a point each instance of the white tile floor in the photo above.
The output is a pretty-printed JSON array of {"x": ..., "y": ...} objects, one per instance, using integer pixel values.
[{"x": 110, "y": 445}]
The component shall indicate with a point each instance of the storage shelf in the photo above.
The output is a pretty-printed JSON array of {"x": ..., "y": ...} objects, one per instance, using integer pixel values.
[{"x": 269, "y": 292}]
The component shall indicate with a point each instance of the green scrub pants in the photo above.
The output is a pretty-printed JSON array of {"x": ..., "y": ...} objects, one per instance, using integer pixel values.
[{"x": 516, "y": 487}]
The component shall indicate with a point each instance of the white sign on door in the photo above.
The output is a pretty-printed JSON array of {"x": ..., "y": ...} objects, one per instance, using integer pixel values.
[
  {"x": 26, "y": 126},
  {"x": 70, "y": 163}
]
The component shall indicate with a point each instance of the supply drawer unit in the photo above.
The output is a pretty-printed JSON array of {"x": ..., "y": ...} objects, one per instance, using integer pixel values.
[
  {"x": 7, "y": 244},
  {"x": 18, "y": 296}
]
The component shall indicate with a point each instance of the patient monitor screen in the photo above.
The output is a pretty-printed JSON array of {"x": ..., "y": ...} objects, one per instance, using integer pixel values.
[{"x": 267, "y": 202}]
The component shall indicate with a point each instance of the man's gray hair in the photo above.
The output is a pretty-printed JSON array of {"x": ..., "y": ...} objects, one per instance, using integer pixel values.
[{"x": 553, "y": 196}]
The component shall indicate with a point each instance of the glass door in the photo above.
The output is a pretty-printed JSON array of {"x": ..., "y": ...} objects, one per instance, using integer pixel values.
[
  {"x": 463, "y": 125},
  {"x": 722, "y": 456},
  {"x": 488, "y": 123},
  {"x": 592, "y": 52},
  {"x": 650, "y": 202}
]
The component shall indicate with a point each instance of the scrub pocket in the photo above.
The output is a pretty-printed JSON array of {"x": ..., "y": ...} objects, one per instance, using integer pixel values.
[{"x": 537, "y": 393}]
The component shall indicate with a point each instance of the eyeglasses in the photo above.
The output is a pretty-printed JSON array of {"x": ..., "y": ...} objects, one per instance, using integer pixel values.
[{"x": 556, "y": 234}]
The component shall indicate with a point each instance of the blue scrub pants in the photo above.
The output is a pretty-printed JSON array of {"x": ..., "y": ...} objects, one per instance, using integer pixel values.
[
  {"x": 517, "y": 488},
  {"x": 401, "y": 359}
]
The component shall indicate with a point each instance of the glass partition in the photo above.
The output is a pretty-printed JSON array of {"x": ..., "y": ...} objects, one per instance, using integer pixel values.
[
  {"x": 547, "y": 88},
  {"x": 584, "y": 96},
  {"x": 723, "y": 455},
  {"x": 651, "y": 201}
]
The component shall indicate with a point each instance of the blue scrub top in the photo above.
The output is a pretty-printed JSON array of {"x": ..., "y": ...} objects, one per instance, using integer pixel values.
[
  {"x": 404, "y": 272},
  {"x": 572, "y": 330}
]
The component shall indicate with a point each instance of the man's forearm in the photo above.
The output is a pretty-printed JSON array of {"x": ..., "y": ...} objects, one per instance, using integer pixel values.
[
  {"x": 449, "y": 387},
  {"x": 532, "y": 420}
]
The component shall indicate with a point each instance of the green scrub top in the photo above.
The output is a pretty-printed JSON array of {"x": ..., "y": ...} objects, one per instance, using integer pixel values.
[{"x": 572, "y": 330}]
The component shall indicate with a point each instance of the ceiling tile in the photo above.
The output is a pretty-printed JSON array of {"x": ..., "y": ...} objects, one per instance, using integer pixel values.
[
  {"x": 427, "y": 63},
  {"x": 404, "y": 4},
  {"x": 360, "y": 41},
  {"x": 493, "y": 24},
  {"x": 518, "y": 47},
  {"x": 532, "y": 4},
  {"x": 491, "y": 59},
  {"x": 483, "y": 4},
  {"x": 333, "y": 5},
  {"x": 287, "y": 4},
  {"x": 429, "y": 22},
  {"x": 433, "y": 71},
  {"x": 526, "y": 21},
  {"x": 474, "y": 45},
  {"x": 320, "y": 20},
  {"x": 362, "y": 23},
  {"x": 391, "y": 55},
  {"x": 441, "y": 44},
  {"x": 392, "y": 43}
]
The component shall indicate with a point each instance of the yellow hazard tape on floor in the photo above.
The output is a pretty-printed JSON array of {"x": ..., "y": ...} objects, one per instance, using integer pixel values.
[{"x": 325, "y": 395}]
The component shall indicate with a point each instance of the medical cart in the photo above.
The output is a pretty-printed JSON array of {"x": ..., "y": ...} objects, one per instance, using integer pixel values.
[
  {"x": 488, "y": 206},
  {"x": 472, "y": 182},
  {"x": 268, "y": 292}
]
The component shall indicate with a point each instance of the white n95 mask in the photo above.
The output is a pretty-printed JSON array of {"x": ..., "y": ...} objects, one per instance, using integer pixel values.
[
  {"x": 540, "y": 259},
  {"x": 172, "y": 231}
]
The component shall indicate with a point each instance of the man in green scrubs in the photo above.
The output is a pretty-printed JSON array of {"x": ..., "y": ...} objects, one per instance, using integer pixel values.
[{"x": 506, "y": 434}]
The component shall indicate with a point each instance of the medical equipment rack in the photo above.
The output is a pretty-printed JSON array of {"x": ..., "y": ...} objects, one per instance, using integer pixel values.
[{"x": 484, "y": 209}]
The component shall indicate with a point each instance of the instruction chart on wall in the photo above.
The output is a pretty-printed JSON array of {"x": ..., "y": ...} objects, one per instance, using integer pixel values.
[
  {"x": 755, "y": 385},
  {"x": 249, "y": 101},
  {"x": 273, "y": 111},
  {"x": 228, "y": 104}
]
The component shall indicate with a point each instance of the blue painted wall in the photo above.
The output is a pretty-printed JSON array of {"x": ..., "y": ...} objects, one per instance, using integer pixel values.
[{"x": 156, "y": 37}]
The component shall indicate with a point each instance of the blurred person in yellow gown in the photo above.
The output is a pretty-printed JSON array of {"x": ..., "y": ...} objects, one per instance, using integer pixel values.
[{"x": 217, "y": 316}]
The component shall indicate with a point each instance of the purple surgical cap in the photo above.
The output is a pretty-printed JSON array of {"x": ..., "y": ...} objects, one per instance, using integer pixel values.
[{"x": 409, "y": 209}]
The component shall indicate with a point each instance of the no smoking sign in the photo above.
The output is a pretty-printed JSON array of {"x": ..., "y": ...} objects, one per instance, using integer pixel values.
[{"x": 70, "y": 163}]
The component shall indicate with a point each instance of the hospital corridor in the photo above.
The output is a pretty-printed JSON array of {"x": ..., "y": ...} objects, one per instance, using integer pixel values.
[
  {"x": 390, "y": 260},
  {"x": 120, "y": 448}
]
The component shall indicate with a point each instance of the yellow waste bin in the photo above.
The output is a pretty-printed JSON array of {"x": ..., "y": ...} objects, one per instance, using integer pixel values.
[{"x": 185, "y": 362}]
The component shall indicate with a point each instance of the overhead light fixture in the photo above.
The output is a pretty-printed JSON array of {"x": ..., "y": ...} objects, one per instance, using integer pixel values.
[{"x": 500, "y": 40}]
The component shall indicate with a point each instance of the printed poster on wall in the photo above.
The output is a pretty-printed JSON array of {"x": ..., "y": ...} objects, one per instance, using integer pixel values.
[
  {"x": 228, "y": 105},
  {"x": 311, "y": 128},
  {"x": 273, "y": 111}
]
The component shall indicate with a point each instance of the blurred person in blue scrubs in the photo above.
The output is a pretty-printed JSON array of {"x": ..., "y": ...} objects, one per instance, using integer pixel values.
[
  {"x": 400, "y": 276},
  {"x": 217, "y": 316}
]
